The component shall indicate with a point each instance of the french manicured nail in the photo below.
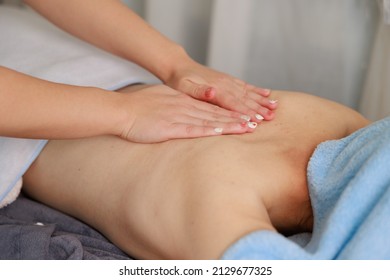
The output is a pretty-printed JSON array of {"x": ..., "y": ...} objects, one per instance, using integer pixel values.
[
  {"x": 252, "y": 124},
  {"x": 273, "y": 101},
  {"x": 246, "y": 118},
  {"x": 218, "y": 130},
  {"x": 267, "y": 90},
  {"x": 259, "y": 117}
]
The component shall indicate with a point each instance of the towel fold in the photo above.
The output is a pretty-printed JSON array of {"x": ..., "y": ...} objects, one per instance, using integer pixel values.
[
  {"x": 350, "y": 191},
  {"x": 16, "y": 155},
  {"x": 349, "y": 185},
  {"x": 31, "y": 45}
]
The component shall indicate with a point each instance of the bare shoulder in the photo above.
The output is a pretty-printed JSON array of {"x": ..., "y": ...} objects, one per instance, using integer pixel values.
[{"x": 310, "y": 110}]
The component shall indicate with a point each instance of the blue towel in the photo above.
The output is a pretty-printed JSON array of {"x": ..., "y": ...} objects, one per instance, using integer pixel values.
[{"x": 349, "y": 185}]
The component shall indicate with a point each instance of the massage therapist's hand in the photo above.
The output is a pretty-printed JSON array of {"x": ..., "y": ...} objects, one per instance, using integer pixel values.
[
  {"x": 160, "y": 113},
  {"x": 145, "y": 46},
  {"x": 206, "y": 84}
]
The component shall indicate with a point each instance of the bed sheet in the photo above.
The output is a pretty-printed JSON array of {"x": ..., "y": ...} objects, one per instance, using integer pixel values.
[{"x": 30, "y": 230}]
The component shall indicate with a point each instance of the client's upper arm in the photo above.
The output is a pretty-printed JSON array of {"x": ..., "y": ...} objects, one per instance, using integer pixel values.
[
  {"x": 322, "y": 113},
  {"x": 356, "y": 121}
]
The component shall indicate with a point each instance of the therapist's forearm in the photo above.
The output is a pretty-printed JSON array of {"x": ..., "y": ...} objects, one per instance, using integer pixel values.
[
  {"x": 111, "y": 25},
  {"x": 33, "y": 108}
]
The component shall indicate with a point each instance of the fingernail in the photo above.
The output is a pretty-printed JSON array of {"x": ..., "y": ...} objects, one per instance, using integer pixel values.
[
  {"x": 273, "y": 101},
  {"x": 218, "y": 129},
  {"x": 252, "y": 124},
  {"x": 259, "y": 117},
  {"x": 246, "y": 118}
]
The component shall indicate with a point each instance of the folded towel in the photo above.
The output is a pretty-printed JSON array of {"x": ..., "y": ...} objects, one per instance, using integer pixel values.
[
  {"x": 32, "y": 45},
  {"x": 349, "y": 185},
  {"x": 16, "y": 155},
  {"x": 350, "y": 190}
]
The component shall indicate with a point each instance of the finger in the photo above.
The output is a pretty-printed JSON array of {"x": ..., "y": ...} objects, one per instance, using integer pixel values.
[
  {"x": 262, "y": 91},
  {"x": 248, "y": 112},
  {"x": 210, "y": 121},
  {"x": 181, "y": 130},
  {"x": 236, "y": 99},
  {"x": 266, "y": 102},
  {"x": 248, "y": 87},
  {"x": 257, "y": 112},
  {"x": 198, "y": 91},
  {"x": 215, "y": 110},
  {"x": 258, "y": 107},
  {"x": 213, "y": 117}
]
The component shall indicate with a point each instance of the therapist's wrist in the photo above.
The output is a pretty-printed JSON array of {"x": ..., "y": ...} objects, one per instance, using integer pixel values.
[
  {"x": 119, "y": 113},
  {"x": 175, "y": 61}
]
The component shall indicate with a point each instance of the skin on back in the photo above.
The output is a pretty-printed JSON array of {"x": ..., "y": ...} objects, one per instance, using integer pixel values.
[{"x": 193, "y": 198}]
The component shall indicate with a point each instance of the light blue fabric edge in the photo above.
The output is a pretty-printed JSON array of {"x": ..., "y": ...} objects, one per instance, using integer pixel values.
[{"x": 28, "y": 163}]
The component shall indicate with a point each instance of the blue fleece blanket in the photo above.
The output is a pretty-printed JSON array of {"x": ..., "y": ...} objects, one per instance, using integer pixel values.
[{"x": 349, "y": 184}]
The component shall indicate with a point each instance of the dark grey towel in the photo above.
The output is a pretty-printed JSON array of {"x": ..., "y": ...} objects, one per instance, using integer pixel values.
[{"x": 31, "y": 230}]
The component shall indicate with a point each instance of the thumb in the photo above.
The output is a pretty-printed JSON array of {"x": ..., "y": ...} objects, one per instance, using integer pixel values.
[{"x": 198, "y": 91}]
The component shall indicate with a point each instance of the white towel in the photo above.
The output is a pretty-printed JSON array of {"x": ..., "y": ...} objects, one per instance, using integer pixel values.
[
  {"x": 16, "y": 156},
  {"x": 31, "y": 45}
]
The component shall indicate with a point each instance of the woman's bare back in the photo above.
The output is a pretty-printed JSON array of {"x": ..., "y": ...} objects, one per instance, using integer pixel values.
[{"x": 193, "y": 198}]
